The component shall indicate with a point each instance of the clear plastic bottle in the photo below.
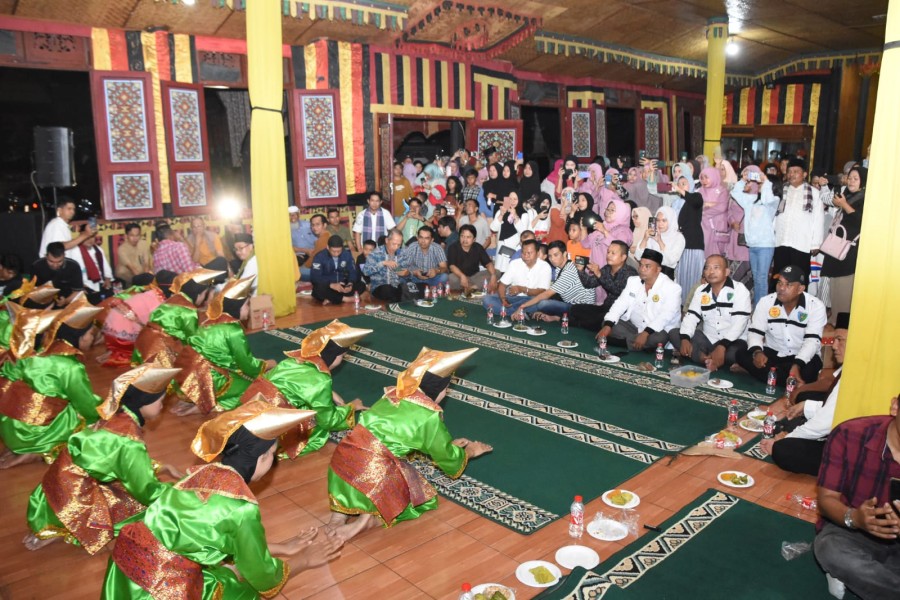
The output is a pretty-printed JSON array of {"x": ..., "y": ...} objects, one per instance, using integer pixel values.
[
  {"x": 576, "y": 518},
  {"x": 490, "y": 316},
  {"x": 790, "y": 386},
  {"x": 565, "y": 324},
  {"x": 356, "y": 301},
  {"x": 484, "y": 287},
  {"x": 502, "y": 314},
  {"x": 427, "y": 293},
  {"x": 804, "y": 502},
  {"x": 771, "y": 382},
  {"x": 660, "y": 356},
  {"x": 266, "y": 320},
  {"x": 769, "y": 425},
  {"x": 466, "y": 592},
  {"x": 603, "y": 348},
  {"x": 733, "y": 413},
  {"x": 447, "y": 290}
]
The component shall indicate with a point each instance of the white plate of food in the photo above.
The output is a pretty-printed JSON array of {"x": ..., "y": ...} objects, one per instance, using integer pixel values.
[
  {"x": 567, "y": 344},
  {"x": 487, "y": 591},
  {"x": 725, "y": 439},
  {"x": 577, "y": 556},
  {"x": 424, "y": 303},
  {"x": 735, "y": 479},
  {"x": 611, "y": 359},
  {"x": 607, "y": 530},
  {"x": 502, "y": 324},
  {"x": 536, "y": 331},
  {"x": 619, "y": 498},
  {"x": 720, "y": 384},
  {"x": 538, "y": 573},
  {"x": 750, "y": 424},
  {"x": 372, "y": 307}
]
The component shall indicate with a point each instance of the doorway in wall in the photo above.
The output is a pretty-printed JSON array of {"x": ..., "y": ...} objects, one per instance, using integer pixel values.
[
  {"x": 620, "y": 125},
  {"x": 541, "y": 136}
]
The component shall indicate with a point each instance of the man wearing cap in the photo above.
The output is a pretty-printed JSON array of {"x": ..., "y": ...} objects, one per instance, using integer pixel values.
[
  {"x": 798, "y": 447},
  {"x": 333, "y": 274},
  {"x": 786, "y": 331},
  {"x": 369, "y": 474},
  {"x": 372, "y": 223},
  {"x": 648, "y": 308},
  {"x": 799, "y": 220},
  {"x": 302, "y": 238},
  {"x": 715, "y": 326}
]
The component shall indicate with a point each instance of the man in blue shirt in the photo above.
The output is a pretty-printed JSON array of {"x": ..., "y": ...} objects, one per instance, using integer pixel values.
[
  {"x": 302, "y": 238},
  {"x": 333, "y": 274}
]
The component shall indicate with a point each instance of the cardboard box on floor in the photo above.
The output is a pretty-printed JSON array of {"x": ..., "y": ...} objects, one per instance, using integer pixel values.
[{"x": 259, "y": 305}]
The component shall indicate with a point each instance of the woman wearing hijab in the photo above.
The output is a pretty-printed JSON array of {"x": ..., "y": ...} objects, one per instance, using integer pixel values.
[
  {"x": 407, "y": 418},
  {"x": 453, "y": 198},
  {"x": 104, "y": 474},
  {"x": 45, "y": 397},
  {"x": 639, "y": 192},
  {"x": 843, "y": 272},
  {"x": 716, "y": 231},
  {"x": 548, "y": 185},
  {"x": 530, "y": 183},
  {"x": 677, "y": 170},
  {"x": 304, "y": 380},
  {"x": 665, "y": 238},
  {"x": 726, "y": 171},
  {"x": 759, "y": 203},
  {"x": 493, "y": 190},
  {"x": 615, "y": 226},
  {"x": 509, "y": 179},
  {"x": 509, "y": 221},
  {"x": 200, "y": 533},
  {"x": 690, "y": 267},
  {"x": 594, "y": 181},
  {"x": 640, "y": 219},
  {"x": 435, "y": 184}
]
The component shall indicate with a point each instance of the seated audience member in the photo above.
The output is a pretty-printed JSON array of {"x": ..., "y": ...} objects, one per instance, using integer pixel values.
[
  {"x": 334, "y": 227},
  {"x": 524, "y": 278},
  {"x": 204, "y": 244},
  {"x": 64, "y": 273},
  {"x": 785, "y": 332},
  {"x": 232, "y": 228},
  {"x": 372, "y": 223},
  {"x": 447, "y": 232},
  {"x": 576, "y": 234},
  {"x": 246, "y": 253},
  {"x": 856, "y": 543},
  {"x": 414, "y": 219},
  {"x": 317, "y": 226},
  {"x": 465, "y": 259},
  {"x": 368, "y": 247},
  {"x": 334, "y": 275},
  {"x": 170, "y": 254},
  {"x": 11, "y": 277},
  {"x": 133, "y": 257},
  {"x": 477, "y": 220},
  {"x": 665, "y": 238},
  {"x": 715, "y": 326},
  {"x": 386, "y": 266},
  {"x": 565, "y": 284},
  {"x": 438, "y": 213},
  {"x": 798, "y": 447},
  {"x": 426, "y": 260},
  {"x": 302, "y": 238},
  {"x": 612, "y": 277},
  {"x": 649, "y": 307},
  {"x": 96, "y": 273}
]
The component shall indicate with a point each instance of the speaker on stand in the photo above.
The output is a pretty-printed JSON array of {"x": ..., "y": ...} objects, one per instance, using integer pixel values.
[{"x": 54, "y": 159}]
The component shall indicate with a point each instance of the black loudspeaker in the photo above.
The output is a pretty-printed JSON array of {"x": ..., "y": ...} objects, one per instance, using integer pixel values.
[{"x": 53, "y": 157}]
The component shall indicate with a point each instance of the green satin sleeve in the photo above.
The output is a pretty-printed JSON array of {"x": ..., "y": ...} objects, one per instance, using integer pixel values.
[
  {"x": 243, "y": 358},
  {"x": 108, "y": 457},
  {"x": 178, "y": 321},
  {"x": 5, "y": 327},
  {"x": 305, "y": 387},
  {"x": 250, "y": 550},
  {"x": 225, "y": 345},
  {"x": 23, "y": 438},
  {"x": 62, "y": 376}
]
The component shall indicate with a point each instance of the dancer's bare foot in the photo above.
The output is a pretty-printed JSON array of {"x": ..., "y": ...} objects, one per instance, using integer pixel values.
[
  {"x": 351, "y": 530},
  {"x": 337, "y": 519},
  {"x": 185, "y": 408},
  {"x": 33, "y": 542},
  {"x": 11, "y": 459},
  {"x": 308, "y": 554}
]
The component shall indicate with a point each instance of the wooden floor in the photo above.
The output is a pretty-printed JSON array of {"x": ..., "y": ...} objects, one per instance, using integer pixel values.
[{"x": 427, "y": 558}]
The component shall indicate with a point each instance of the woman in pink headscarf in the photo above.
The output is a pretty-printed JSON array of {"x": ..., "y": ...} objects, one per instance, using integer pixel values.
[
  {"x": 594, "y": 182},
  {"x": 729, "y": 177},
  {"x": 639, "y": 193},
  {"x": 548, "y": 185},
  {"x": 615, "y": 226},
  {"x": 716, "y": 232}
]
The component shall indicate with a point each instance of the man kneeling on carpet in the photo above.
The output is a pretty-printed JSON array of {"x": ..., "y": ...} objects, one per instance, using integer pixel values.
[
  {"x": 333, "y": 274},
  {"x": 369, "y": 475}
]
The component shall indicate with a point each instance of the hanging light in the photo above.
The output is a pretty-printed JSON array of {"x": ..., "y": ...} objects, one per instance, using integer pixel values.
[
  {"x": 189, "y": 2},
  {"x": 731, "y": 48}
]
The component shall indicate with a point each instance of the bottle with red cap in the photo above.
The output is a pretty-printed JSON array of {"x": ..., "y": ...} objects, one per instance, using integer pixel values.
[
  {"x": 466, "y": 592},
  {"x": 576, "y": 518}
]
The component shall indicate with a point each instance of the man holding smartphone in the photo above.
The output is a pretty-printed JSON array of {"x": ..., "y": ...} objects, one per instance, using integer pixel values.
[{"x": 859, "y": 484}]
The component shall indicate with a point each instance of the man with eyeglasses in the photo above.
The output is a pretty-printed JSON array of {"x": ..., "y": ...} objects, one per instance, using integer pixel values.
[{"x": 425, "y": 260}]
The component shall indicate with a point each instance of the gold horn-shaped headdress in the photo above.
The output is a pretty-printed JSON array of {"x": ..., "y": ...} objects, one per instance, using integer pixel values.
[
  {"x": 340, "y": 333},
  {"x": 200, "y": 276},
  {"x": 262, "y": 419},
  {"x": 28, "y": 323},
  {"x": 442, "y": 364},
  {"x": 150, "y": 378},
  {"x": 78, "y": 314},
  {"x": 26, "y": 288},
  {"x": 234, "y": 289},
  {"x": 42, "y": 294}
]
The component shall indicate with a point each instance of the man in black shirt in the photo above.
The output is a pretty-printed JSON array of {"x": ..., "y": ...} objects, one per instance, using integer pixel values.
[
  {"x": 612, "y": 277},
  {"x": 464, "y": 259},
  {"x": 64, "y": 273}
]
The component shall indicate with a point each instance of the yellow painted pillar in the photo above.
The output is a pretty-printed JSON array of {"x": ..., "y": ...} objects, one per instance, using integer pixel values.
[
  {"x": 870, "y": 376},
  {"x": 268, "y": 179},
  {"x": 716, "y": 38}
]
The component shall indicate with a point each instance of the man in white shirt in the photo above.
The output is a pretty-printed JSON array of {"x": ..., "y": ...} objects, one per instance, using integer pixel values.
[
  {"x": 798, "y": 448},
  {"x": 373, "y": 222},
  {"x": 95, "y": 269},
  {"x": 525, "y": 277},
  {"x": 715, "y": 326},
  {"x": 799, "y": 221},
  {"x": 57, "y": 230},
  {"x": 649, "y": 307},
  {"x": 566, "y": 284}
]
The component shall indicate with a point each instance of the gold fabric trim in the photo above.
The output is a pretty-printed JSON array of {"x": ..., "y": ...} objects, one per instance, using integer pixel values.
[
  {"x": 436, "y": 362},
  {"x": 286, "y": 573},
  {"x": 341, "y": 334},
  {"x": 216, "y": 478}
]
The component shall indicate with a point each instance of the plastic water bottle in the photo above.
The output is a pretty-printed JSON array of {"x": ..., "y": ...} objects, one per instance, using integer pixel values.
[
  {"x": 490, "y": 315},
  {"x": 790, "y": 385},
  {"x": 576, "y": 518},
  {"x": 769, "y": 425},
  {"x": 466, "y": 592},
  {"x": 356, "y": 301},
  {"x": 502, "y": 313},
  {"x": 733, "y": 413},
  {"x": 427, "y": 293},
  {"x": 804, "y": 502},
  {"x": 447, "y": 290},
  {"x": 565, "y": 324},
  {"x": 603, "y": 348},
  {"x": 771, "y": 382},
  {"x": 484, "y": 287},
  {"x": 660, "y": 356},
  {"x": 266, "y": 320}
]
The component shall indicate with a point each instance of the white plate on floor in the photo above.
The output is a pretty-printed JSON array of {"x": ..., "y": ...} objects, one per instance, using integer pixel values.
[
  {"x": 425, "y": 303},
  {"x": 536, "y": 332},
  {"x": 481, "y": 587},
  {"x": 729, "y": 483},
  {"x": 478, "y": 294},
  {"x": 750, "y": 424},
  {"x": 372, "y": 307},
  {"x": 607, "y": 530},
  {"x": 635, "y": 499},
  {"x": 305, "y": 293},
  {"x": 577, "y": 556},
  {"x": 567, "y": 344},
  {"x": 502, "y": 324},
  {"x": 611, "y": 359},
  {"x": 524, "y": 575},
  {"x": 720, "y": 384}
]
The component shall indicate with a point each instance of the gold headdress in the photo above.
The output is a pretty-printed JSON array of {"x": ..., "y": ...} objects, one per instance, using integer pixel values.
[
  {"x": 341, "y": 334},
  {"x": 150, "y": 378},
  {"x": 78, "y": 314},
  {"x": 28, "y": 323},
  {"x": 259, "y": 417},
  {"x": 200, "y": 276},
  {"x": 234, "y": 289},
  {"x": 442, "y": 364},
  {"x": 42, "y": 294}
]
